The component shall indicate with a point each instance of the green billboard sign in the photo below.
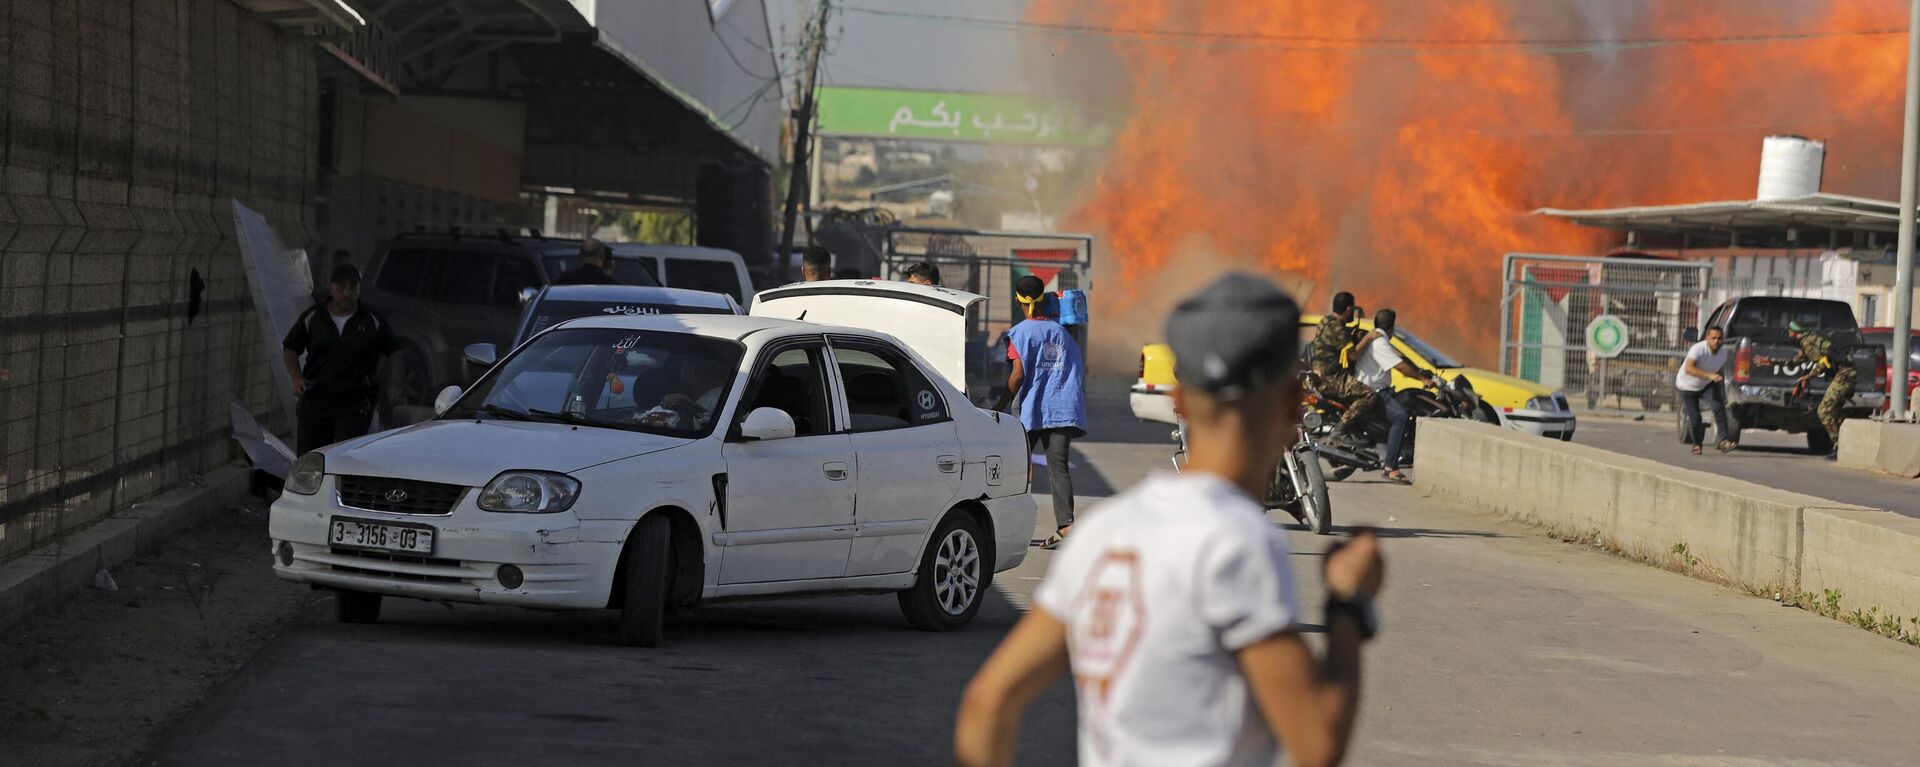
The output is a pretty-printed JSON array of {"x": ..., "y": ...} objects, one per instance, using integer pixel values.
[{"x": 952, "y": 116}]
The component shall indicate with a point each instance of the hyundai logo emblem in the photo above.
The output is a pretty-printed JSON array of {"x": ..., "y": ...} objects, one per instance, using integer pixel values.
[{"x": 396, "y": 495}]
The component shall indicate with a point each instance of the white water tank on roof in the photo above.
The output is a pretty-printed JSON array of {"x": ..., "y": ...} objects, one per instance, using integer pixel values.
[{"x": 1790, "y": 167}]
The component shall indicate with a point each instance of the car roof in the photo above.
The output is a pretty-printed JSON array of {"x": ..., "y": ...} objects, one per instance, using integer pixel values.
[
  {"x": 957, "y": 300},
  {"x": 732, "y": 326},
  {"x": 640, "y": 293}
]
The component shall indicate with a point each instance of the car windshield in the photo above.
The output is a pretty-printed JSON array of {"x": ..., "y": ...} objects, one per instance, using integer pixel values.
[
  {"x": 550, "y": 313},
  {"x": 1434, "y": 357},
  {"x": 627, "y": 271},
  {"x": 655, "y": 381}
]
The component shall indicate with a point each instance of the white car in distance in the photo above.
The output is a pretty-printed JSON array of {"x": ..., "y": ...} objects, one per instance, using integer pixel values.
[{"x": 639, "y": 463}]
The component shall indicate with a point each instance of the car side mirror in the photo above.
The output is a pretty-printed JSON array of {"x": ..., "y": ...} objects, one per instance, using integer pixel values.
[
  {"x": 444, "y": 402},
  {"x": 767, "y": 423},
  {"x": 527, "y": 294},
  {"x": 482, "y": 354},
  {"x": 1690, "y": 335}
]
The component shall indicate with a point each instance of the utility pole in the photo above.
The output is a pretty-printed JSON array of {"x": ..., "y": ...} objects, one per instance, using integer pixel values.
[
  {"x": 816, "y": 39},
  {"x": 1903, "y": 275}
]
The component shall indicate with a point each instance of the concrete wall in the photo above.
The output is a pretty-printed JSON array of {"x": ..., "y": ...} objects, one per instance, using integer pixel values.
[
  {"x": 1743, "y": 533},
  {"x": 1872, "y": 558},
  {"x": 129, "y": 125},
  {"x": 1757, "y": 538}
]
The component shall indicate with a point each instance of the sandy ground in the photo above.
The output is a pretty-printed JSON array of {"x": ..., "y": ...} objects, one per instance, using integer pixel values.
[{"x": 98, "y": 679}]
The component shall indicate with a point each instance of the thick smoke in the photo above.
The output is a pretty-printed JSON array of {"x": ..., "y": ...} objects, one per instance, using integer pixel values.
[{"x": 1404, "y": 170}]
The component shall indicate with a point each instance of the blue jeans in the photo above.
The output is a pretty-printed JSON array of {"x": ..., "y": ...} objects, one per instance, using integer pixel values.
[
  {"x": 1716, "y": 396},
  {"x": 1398, "y": 419}
]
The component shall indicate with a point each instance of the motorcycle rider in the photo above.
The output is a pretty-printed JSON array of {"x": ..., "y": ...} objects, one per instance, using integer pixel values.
[
  {"x": 1816, "y": 348},
  {"x": 1377, "y": 361},
  {"x": 1329, "y": 357}
]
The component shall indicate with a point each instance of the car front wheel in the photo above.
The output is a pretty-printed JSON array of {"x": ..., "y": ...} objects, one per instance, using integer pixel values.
[
  {"x": 954, "y": 576},
  {"x": 647, "y": 578}
]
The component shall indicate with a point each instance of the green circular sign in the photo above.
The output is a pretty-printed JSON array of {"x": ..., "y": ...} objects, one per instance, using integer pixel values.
[{"x": 1607, "y": 336}]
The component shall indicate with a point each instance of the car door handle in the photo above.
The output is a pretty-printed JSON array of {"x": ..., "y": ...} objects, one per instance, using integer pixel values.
[
  {"x": 948, "y": 463},
  {"x": 836, "y": 470}
]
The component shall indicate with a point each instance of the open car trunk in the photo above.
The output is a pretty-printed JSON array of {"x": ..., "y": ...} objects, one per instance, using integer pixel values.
[{"x": 930, "y": 320}]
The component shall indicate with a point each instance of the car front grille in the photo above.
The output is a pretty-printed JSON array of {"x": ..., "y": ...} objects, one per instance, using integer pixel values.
[
  {"x": 375, "y": 558},
  {"x": 398, "y": 496}
]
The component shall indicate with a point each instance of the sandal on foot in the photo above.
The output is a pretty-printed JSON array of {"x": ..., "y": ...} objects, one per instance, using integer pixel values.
[
  {"x": 1051, "y": 542},
  {"x": 1728, "y": 446},
  {"x": 1696, "y": 449},
  {"x": 1396, "y": 477}
]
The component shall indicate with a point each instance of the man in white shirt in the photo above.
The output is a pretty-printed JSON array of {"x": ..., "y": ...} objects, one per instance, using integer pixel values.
[
  {"x": 1173, "y": 604},
  {"x": 1378, "y": 360},
  {"x": 1702, "y": 375}
]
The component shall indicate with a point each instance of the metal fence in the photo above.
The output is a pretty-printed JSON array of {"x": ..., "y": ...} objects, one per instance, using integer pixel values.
[
  {"x": 1548, "y": 301},
  {"x": 988, "y": 263}
]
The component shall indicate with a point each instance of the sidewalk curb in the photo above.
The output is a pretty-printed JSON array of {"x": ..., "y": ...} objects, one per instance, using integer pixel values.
[{"x": 48, "y": 574}]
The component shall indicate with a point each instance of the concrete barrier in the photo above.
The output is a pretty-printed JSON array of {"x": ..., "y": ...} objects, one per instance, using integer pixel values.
[
  {"x": 1893, "y": 448},
  {"x": 1864, "y": 562},
  {"x": 1732, "y": 531},
  {"x": 1871, "y": 558}
]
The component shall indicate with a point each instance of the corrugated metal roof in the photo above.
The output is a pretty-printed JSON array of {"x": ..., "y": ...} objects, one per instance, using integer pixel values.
[{"x": 1824, "y": 211}]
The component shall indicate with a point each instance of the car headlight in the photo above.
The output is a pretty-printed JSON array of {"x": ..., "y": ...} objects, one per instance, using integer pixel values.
[
  {"x": 530, "y": 492},
  {"x": 306, "y": 474}
]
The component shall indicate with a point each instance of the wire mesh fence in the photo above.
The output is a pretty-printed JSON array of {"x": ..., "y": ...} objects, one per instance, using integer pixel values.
[
  {"x": 1549, "y": 302},
  {"x": 989, "y": 263}
]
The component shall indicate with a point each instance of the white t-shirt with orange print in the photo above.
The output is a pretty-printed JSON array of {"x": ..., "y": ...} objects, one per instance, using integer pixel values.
[{"x": 1159, "y": 588}]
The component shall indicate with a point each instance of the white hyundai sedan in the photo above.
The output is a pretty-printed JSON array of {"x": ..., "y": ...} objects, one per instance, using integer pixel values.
[{"x": 642, "y": 463}]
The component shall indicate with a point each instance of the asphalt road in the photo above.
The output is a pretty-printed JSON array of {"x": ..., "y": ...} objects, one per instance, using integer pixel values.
[
  {"x": 1770, "y": 458},
  {"x": 1499, "y": 647}
]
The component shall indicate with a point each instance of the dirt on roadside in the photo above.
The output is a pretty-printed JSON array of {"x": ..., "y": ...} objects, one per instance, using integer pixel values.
[{"x": 98, "y": 680}]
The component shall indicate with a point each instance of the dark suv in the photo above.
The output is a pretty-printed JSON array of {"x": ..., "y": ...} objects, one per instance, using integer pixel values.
[{"x": 445, "y": 291}]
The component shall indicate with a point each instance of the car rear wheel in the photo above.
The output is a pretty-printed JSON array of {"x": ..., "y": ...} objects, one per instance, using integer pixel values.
[
  {"x": 954, "y": 575},
  {"x": 356, "y": 607},
  {"x": 648, "y": 577}
]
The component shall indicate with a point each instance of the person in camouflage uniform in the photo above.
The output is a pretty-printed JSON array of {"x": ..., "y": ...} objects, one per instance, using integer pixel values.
[
  {"x": 1328, "y": 357},
  {"x": 1842, "y": 377}
]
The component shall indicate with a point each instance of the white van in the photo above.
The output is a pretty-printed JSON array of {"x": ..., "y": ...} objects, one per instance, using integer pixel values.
[
  {"x": 675, "y": 266},
  {"x": 684, "y": 266}
]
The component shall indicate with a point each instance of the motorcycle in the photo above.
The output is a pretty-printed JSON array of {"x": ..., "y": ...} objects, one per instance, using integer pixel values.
[
  {"x": 1298, "y": 485},
  {"x": 1321, "y": 415}
]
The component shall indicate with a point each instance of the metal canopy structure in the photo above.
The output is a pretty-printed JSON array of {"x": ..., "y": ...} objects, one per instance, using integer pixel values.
[
  {"x": 306, "y": 15},
  {"x": 1748, "y": 222}
]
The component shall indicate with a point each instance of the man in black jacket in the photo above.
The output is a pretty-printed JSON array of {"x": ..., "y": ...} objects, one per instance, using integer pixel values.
[
  {"x": 343, "y": 341},
  {"x": 596, "y": 266}
]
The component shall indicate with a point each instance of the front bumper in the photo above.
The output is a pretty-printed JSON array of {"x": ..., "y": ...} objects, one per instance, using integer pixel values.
[
  {"x": 1541, "y": 423},
  {"x": 568, "y": 563}
]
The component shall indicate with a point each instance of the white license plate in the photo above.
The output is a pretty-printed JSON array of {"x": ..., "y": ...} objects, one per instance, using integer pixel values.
[{"x": 384, "y": 536}]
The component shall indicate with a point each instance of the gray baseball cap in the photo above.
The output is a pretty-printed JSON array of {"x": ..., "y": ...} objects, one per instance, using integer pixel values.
[{"x": 1238, "y": 334}]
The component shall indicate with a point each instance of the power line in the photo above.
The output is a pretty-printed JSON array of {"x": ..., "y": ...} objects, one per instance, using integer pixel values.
[{"x": 1404, "y": 46}]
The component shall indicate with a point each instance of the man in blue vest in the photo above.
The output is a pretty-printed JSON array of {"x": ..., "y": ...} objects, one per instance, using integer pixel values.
[{"x": 1049, "y": 380}]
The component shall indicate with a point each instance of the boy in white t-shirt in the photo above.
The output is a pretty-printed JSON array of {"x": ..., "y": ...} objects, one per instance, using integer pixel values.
[
  {"x": 1173, "y": 604},
  {"x": 1702, "y": 376}
]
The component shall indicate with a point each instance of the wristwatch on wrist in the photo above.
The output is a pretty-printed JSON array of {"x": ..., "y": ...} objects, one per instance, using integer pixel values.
[{"x": 1357, "y": 607}]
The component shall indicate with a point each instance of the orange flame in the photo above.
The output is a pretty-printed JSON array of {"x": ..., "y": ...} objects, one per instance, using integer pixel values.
[{"x": 1403, "y": 171}]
